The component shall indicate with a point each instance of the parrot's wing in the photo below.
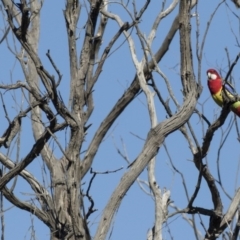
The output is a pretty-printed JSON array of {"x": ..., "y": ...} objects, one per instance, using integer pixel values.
[{"x": 230, "y": 89}]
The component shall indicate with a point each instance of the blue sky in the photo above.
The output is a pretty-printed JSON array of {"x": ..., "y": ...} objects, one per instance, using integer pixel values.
[{"x": 136, "y": 213}]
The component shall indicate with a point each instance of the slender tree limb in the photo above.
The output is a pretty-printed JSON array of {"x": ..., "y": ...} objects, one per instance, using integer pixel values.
[
  {"x": 71, "y": 15},
  {"x": 228, "y": 217},
  {"x": 236, "y": 229},
  {"x": 35, "y": 151},
  {"x": 17, "y": 85},
  {"x": 197, "y": 187},
  {"x": 39, "y": 190},
  {"x": 55, "y": 68},
  {"x": 28, "y": 207},
  {"x": 126, "y": 98},
  {"x": 200, "y": 52},
  {"x": 161, "y": 201},
  {"x": 218, "y": 208},
  {"x": 231, "y": 67},
  {"x": 156, "y": 135}
]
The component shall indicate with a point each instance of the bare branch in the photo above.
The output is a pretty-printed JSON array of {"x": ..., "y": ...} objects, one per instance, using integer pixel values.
[
  {"x": 156, "y": 135},
  {"x": 35, "y": 151},
  {"x": 28, "y": 207},
  {"x": 126, "y": 98}
]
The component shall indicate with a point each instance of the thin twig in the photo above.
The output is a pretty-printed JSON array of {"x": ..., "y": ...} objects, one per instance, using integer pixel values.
[
  {"x": 231, "y": 68},
  {"x": 55, "y": 67}
]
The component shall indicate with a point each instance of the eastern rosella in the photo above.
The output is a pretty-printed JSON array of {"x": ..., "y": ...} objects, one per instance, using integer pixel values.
[{"x": 216, "y": 85}]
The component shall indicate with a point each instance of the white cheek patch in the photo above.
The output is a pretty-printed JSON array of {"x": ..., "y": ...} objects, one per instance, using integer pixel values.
[{"x": 213, "y": 76}]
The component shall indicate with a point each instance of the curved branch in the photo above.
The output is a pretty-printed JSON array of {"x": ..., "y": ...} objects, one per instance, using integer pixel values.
[
  {"x": 28, "y": 207},
  {"x": 154, "y": 140},
  {"x": 228, "y": 217},
  {"x": 219, "y": 226},
  {"x": 218, "y": 207},
  {"x": 157, "y": 134},
  {"x": 35, "y": 151},
  {"x": 125, "y": 100},
  {"x": 30, "y": 44},
  {"x": 36, "y": 186},
  {"x": 17, "y": 85}
]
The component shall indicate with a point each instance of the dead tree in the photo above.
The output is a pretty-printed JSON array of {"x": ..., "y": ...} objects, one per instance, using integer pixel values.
[{"x": 61, "y": 205}]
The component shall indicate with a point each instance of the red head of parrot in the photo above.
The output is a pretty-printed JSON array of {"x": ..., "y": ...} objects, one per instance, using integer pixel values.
[
  {"x": 215, "y": 86},
  {"x": 214, "y": 81}
]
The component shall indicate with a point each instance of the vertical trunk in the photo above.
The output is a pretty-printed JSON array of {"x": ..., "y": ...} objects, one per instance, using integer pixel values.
[{"x": 69, "y": 222}]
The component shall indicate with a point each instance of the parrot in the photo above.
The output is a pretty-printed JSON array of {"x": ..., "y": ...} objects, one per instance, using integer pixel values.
[{"x": 216, "y": 86}]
